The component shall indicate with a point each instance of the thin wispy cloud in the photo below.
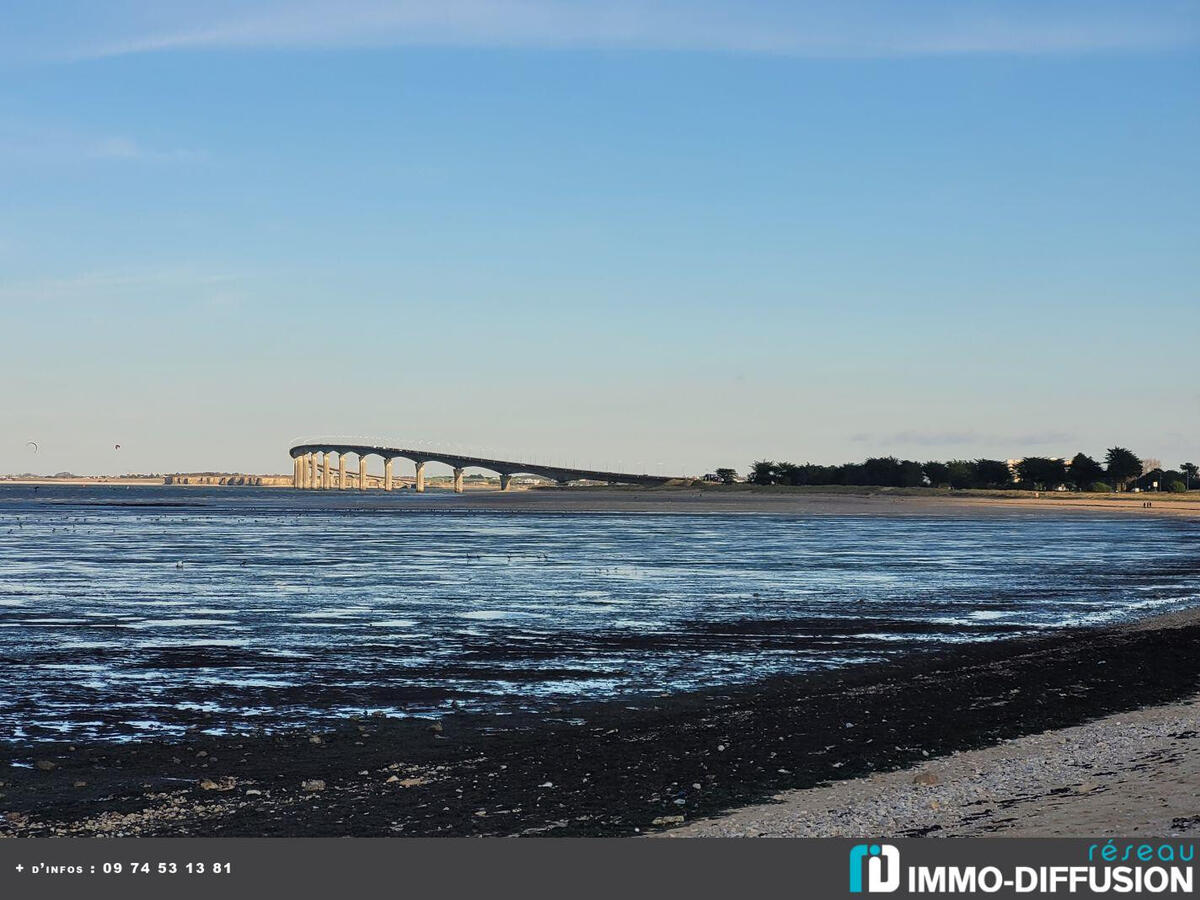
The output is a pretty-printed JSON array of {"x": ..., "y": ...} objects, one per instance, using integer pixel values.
[
  {"x": 825, "y": 29},
  {"x": 129, "y": 287},
  {"x": 124, "y": 148},
  {"x": 50, "y": 145}
]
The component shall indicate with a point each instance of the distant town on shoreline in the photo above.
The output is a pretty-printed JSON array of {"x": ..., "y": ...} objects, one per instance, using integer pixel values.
[{"x": 1122, "y": 470}]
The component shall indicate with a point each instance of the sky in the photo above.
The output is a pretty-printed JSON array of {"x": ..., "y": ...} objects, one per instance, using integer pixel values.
[{"x": 657, "y": 236}]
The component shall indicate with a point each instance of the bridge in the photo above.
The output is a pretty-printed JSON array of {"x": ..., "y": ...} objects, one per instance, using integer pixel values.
[{"x": 313, "y": 467}]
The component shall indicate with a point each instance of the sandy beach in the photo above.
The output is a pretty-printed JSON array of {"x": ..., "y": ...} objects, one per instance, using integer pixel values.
[
  {"x": 1137, "y": 772},
  {"x": 1133, "y": 773},
  {"x": 702, "y": 499},
  {"x": 827, "y": 502}
]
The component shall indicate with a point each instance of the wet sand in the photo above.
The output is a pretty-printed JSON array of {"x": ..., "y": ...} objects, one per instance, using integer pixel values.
[
  {"x": 635, "y": 768},
  {"x": 827, "y": 502},
  {"x": 717, "y": 499}
]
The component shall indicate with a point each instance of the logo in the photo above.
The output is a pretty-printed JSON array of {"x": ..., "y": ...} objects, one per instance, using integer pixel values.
[{"x": 882, "y": 862}]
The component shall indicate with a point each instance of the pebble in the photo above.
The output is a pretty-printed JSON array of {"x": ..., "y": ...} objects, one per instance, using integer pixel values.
[
  {"x": 668, "y": 820},
  {"x": 313, "y": 785}
]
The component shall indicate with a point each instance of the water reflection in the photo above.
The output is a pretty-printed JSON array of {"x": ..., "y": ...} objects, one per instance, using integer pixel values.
[{"x": 272, "y": 609}]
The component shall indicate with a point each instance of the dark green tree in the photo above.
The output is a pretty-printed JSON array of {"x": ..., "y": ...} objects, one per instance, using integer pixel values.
[
  {"x": 764, "y": 472},
  {"x": 1084, "y": 471},
  {"x": 993, "y": 473},
  {"x": 1123, "y": 466},
  {"x": 1170, "y": 476},
  {"x": 1190, "y": 471},
  {"x": 1040, "y": 473},
  {"x": 788, "y": 473},
  {"x": 727, "y": 476},
  {"x": 963, "y": 474},
  {"x": 938, "y": 473},
  {"x": 814, "y": 474},
  {"x": 882, "y": 470},
  {"x": 852, "y": 473},
  {"x": 911, "y": 474}
]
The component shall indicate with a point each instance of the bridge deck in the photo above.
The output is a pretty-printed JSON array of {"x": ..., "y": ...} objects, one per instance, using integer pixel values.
[{"x": 506, "y": 467}]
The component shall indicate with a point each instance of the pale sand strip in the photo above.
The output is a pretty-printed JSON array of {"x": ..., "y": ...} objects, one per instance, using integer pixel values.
[
  {"x": 814, "y": 502},
  {"x": 1128, "y": 774},
  {"x": 743, "y": 499}
]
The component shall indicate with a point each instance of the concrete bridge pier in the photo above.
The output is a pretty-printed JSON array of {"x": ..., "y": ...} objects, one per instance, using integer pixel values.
[{"x": 313, "y": 468}]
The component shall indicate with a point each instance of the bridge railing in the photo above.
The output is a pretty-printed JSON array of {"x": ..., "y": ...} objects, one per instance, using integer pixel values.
[{"x": 507, "y": 454}]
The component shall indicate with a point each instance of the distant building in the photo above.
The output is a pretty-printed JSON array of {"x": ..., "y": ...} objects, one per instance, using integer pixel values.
[{"x": 232, "y": 479}]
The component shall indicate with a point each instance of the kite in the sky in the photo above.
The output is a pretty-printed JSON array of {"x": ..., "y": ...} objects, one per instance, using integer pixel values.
[
  {"x": 32, "y": 444},
  {"x": 116, "y": 446}
]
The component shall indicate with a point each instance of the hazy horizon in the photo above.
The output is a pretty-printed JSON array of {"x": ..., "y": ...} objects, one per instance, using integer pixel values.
[
  {"x": 404, "y": 466},
  {"x": 653, "y": 235}
]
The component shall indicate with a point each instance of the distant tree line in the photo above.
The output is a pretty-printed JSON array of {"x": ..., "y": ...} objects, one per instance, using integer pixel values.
[{"x": 1121, "y": 470}]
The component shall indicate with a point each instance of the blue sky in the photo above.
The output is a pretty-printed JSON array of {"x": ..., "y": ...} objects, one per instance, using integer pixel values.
[{"x": 667, "y": 236}]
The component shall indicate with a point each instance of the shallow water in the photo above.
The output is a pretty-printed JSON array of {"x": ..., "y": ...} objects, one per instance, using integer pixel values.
[{"x": 126, "y": 612}]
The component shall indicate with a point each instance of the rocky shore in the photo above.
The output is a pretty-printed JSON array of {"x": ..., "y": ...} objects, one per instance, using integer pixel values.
[{"x": 618, "y": 768}]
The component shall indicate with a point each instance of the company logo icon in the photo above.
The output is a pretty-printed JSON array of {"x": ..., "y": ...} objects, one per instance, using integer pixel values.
[{"x": 882, "y": 863}]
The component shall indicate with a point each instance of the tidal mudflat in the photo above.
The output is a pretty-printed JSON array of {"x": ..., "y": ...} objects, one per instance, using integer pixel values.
[
  {"x": 615, "y": 768},
  {"x": 203, "y": 662}
]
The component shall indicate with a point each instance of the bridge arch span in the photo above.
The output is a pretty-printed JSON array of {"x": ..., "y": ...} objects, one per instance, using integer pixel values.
[{"x": 312, "y": 466}]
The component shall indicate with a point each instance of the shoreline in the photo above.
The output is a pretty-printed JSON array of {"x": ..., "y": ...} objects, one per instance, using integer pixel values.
[
  {"x": 1134, "y": 773},
  {"x": 707, "y": 500},
  {"x": 824, "y": 502},
  {"x": 610, "y": 768}
]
